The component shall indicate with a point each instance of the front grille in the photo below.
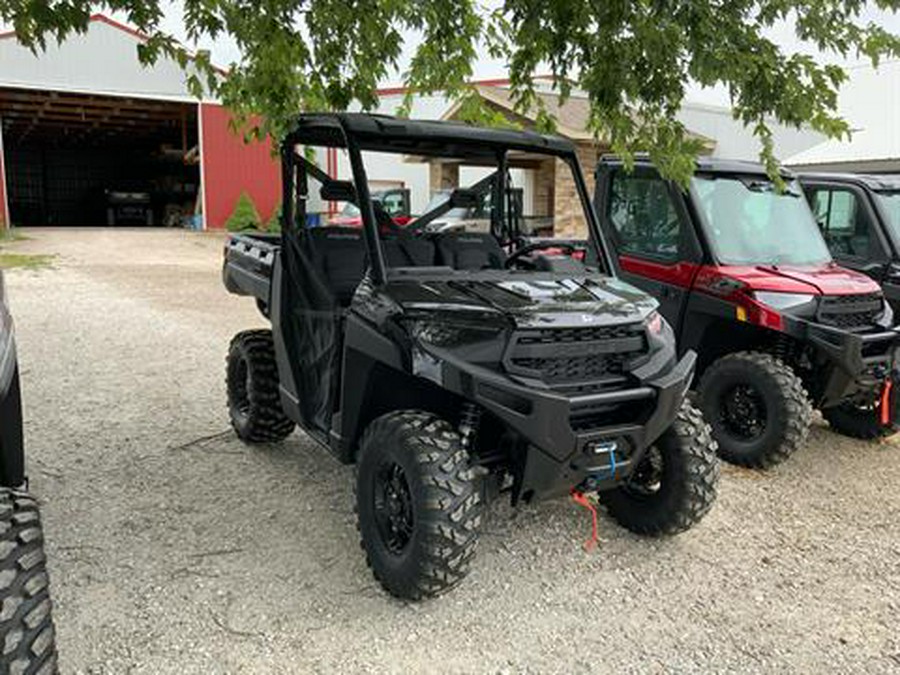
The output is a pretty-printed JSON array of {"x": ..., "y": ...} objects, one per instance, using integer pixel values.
[
  {"x": 591, "y": 334},
  {"x": 576, "y": 368},
  {"x": 851, "y": 311},
  {"x": 568, "y": 355}
]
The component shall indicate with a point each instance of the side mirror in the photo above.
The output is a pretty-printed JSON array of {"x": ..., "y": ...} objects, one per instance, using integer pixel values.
[
  {"x": 338, "y": 191},
  {"x": 468, "y": 199}
]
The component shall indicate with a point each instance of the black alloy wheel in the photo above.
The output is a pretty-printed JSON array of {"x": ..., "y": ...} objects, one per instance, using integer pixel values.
[
  {"x": 646, "y": 480},
  {"x": 393, "y": 507},
  {"x": 239, "y": 377},
  {"x": 743, "y": 413}
]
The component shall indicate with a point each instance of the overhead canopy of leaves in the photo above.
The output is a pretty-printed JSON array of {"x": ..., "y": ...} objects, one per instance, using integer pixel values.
[{"x": 633, "y": 59}]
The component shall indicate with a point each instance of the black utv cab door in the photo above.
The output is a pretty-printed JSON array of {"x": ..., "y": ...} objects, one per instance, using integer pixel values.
[
  {"x": 320, "y": 269},
  {"x": 849, "y": 224},
  {"x": 654, "y": 245}
]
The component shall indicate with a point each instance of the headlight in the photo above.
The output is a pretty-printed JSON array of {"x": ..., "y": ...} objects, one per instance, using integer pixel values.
[
  {"x": 654, "y": 323},
  {"x": 782, "y": 301},
  {"x": 887, "y": 314},
  {"x": 659, "y": 336},
  {"x": 448, "y": 334}
]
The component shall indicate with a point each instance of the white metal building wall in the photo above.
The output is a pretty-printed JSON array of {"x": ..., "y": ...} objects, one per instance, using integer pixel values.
[
  {"x": 101, "y": 61},
  {"x": 734, "y": 141},
  {"x": 870, "y": 102}
]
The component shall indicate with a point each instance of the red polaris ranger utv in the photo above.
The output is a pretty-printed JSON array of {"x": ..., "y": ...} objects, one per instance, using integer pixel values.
[{"x": 743, "y": 275}]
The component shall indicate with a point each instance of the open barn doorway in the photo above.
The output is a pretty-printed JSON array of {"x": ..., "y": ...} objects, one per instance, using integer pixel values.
[{"x": 84, "y": 159}]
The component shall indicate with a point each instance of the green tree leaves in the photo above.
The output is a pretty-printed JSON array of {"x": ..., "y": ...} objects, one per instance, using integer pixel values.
[{"x": 633, "y": 58}]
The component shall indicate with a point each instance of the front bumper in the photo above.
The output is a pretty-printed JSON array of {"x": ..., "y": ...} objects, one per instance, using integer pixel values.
[
  {"x": 594, "y": 439},
  {"x": 861, "y": 362}
]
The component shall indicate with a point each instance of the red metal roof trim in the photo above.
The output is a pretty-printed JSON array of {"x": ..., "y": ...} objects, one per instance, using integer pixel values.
[{"x": 121, "y": 26}]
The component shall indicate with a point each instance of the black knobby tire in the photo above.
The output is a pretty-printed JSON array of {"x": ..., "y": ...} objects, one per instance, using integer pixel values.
[
  {"x": 254, "y": 404},
  {"x": 27, "y": 636},
  {"x": 782, "y": 405},
  {"x": 856, "y": 421},
  {"x": 445, "y": 504},
  {"x": 674, "y": 485}
]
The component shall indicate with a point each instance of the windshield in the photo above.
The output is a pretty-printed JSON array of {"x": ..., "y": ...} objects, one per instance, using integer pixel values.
[
  {"x": 890, "y": 205},
  {"x": 749, "y": 223},
  {"x": 472, "y": 213},
  {"x": 448, "y": 195}
]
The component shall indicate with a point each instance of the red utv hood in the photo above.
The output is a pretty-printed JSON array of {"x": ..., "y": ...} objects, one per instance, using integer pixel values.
[
  {"x": 356, "y": 221},
  {"x": 346, "y": 221},
  {"x": 830, "y": 279}
]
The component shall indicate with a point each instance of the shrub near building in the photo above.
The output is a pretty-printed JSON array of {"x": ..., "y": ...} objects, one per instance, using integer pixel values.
[{"x": 245, "y": 215}]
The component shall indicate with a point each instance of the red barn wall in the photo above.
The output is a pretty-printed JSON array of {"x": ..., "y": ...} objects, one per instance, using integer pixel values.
[{"x": 231, "y": 166}]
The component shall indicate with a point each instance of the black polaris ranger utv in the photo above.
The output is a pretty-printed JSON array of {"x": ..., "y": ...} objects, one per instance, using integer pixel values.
[
  {"x": 26, "y": 624},
  {"x": 859, "y": 215},
  {"x": 452, "y": 365},
  {"x": 743, "y": 275}
]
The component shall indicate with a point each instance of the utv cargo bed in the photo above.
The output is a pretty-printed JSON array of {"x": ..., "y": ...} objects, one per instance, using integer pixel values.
[{"x": 249, "y": 261}]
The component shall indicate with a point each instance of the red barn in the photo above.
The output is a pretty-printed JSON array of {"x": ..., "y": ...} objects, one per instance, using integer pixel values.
[{"x": 88, "y": 136}]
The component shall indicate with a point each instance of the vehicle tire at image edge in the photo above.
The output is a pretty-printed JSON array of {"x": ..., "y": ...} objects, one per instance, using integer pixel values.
[
  {"x": 674, "y": 485},
  {"x": 758, "y": 409},
  {"x": 254, "y": 403},
  {"x": 27, "y": 634},
  {"x": 418, "y": 504}
]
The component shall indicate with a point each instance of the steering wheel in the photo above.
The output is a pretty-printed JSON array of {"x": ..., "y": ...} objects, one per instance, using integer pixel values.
[{"x": 568, "y": 246}]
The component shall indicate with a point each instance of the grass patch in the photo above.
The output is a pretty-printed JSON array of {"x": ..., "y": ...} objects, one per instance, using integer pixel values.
[
  {"x": 8, "y": 235},
  {"x": 31, "y": 261}
]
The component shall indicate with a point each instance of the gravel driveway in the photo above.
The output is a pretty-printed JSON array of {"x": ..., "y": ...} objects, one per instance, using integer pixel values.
[{"x": 175, "y": 549}]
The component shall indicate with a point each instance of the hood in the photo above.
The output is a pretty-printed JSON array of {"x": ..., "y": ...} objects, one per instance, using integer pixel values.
[
  {"x": 829, "y": 279},
  {"x": 356, "y": 221},
  {"x": 346, "y": 221},
  {"x": 530, "y": 302}
]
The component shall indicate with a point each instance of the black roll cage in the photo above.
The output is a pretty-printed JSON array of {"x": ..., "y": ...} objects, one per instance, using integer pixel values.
[{"x": 358, "y": 132}]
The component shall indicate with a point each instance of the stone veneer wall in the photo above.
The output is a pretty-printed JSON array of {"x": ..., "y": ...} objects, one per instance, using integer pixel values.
[
  {"x": 568, "y": 212},
  {"x": 443, "y": 176}
]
